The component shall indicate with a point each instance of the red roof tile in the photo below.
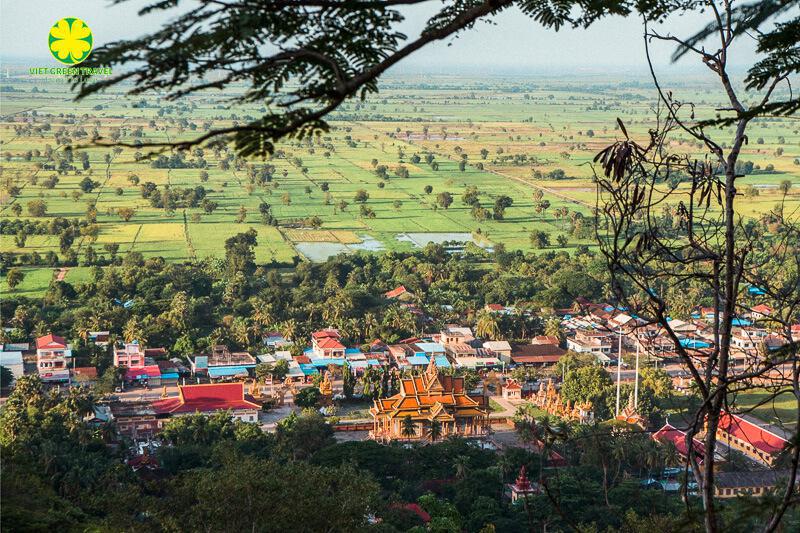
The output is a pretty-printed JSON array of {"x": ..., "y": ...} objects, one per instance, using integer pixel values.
[
  {"x": 677, "y": 437},
  {"x": 746, "y": 431},
  {"x": 394, "y": 293},
  {"x": 325, "y": 334},
  {"x": 151, "y": 371},
  {"x": 329, "y": 343},
  {"x": 205, "y": 399},
  {"x": 50, "y": 341}
]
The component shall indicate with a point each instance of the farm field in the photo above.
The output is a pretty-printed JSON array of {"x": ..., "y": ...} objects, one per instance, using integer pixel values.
[{"x": 374, "y": 182}]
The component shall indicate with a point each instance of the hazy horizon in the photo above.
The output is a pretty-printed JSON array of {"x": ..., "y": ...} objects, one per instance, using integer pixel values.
[{"x": 513, "y": 44}]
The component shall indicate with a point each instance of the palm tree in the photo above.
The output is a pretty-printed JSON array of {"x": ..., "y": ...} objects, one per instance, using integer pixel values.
[
  {"x": 133, "y": 331},
  {"x": 369, "y": 324},
  {"x": 487, "y": 326},
  {"x": 461, "y": 466},
  {"x": 436, "y": 430},
  {"x": 289, "y": 329},
  {"x": 553, "y": 328},
  {"x": 263, "y": 313},
  {"x": 408, "y": 428}
]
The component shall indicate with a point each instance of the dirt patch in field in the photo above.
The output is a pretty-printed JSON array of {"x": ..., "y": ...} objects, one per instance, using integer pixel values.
[{"x": 308, "y": 235}]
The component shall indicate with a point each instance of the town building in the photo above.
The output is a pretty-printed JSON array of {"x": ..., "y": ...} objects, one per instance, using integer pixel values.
[
  {"x": 755, "y": 441},
  {"x": 326, "y": 344},
  {"x": 130, "y": 355},
  {"x": 501, "y": 349},
  {"x": 453, "y": 334},
  {"x": 425, "y": 399},
  {"x": 53, "y": 357},
  {"x": 536, "y": 355},
  {"x": 222, "y": 363},
  {"x": 596, "y": 343},
  {"x": 209, "y": 399},
  {"x": 135, "y": 419},
  {"x": 751, "y": 483}
]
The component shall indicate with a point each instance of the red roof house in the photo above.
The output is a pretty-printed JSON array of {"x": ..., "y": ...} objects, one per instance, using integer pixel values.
[
  {"x": 147, "y": 372},
  {"x": 51, "y": 342},
  {"x": 209, "y": 399},
  {"x": 396, "y": 292},
  {"x": 546, "y": 339}
]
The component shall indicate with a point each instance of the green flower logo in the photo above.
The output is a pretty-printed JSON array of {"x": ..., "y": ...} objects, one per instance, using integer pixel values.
[{"x": 70, "y": 41}]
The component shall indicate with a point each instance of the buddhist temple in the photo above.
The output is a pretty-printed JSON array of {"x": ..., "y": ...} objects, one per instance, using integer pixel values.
[
  {"x": 431, "y": 397},
  {"x": 630, "y": 414},
  {"x": 549, "y": 399}
]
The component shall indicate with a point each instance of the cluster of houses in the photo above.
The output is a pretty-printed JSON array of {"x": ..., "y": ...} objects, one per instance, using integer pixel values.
[
  {"x": 430, "y": 404},
  {"x": 52, "y": 357},
  {"x": 606, "y": 332}
]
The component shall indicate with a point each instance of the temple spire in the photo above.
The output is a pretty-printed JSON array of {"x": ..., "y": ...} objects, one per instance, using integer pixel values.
[
  {"x": 522, "y": 483},
  {"x": 432, "y": 371}
]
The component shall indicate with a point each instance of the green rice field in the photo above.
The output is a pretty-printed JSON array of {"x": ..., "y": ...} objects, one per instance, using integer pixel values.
[{"x": 510, "y": 134}]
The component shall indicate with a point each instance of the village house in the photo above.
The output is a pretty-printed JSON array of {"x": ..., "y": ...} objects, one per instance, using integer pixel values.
[
  {"x": 536, "y": 355},
  {"x": 135, "y": 419},
  {"x": 596, "y": 343},
  {"x": 222, "y": 363},
  {"x": 207, "y": 400},
  {"x": 747, "y": 340},
  {"x": 478, "y": 359},
  {"x": 755, "y": 441},
  {"x": 546, "y": 339},
  {"x": 325, "y": 344},
  {"x": 276, "y": 341},
  {"x": 500, "y": 309},
  {"x": 453, "y": 334},
  {"x": 399, "y": 293},
  {"x": 53, "y": 356},
  {"x": 399, "y": 353},
  {"x": 500, "y": 349},
  {"x": 140, "y": 367},
  {"x": 85, "y": 375},
  {"x": 760, "y": 312},
  {"x": 100, "y": 338},
  {"x": 425, "y": 399}
]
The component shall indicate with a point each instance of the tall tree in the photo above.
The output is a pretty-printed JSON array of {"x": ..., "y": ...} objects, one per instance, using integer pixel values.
[{"x": 713, "y": 246}]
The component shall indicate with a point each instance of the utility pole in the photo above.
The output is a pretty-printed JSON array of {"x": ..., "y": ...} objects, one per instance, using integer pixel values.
[{"x": 619, "y": 370}]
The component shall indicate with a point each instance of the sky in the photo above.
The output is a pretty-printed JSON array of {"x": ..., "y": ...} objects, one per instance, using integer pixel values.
[{"x": 514, "y": 44}]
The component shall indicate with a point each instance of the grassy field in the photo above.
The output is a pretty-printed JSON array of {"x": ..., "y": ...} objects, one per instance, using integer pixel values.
[
  {"x": 780, "y": 410},
  {"x": 513, "y": 129}
]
